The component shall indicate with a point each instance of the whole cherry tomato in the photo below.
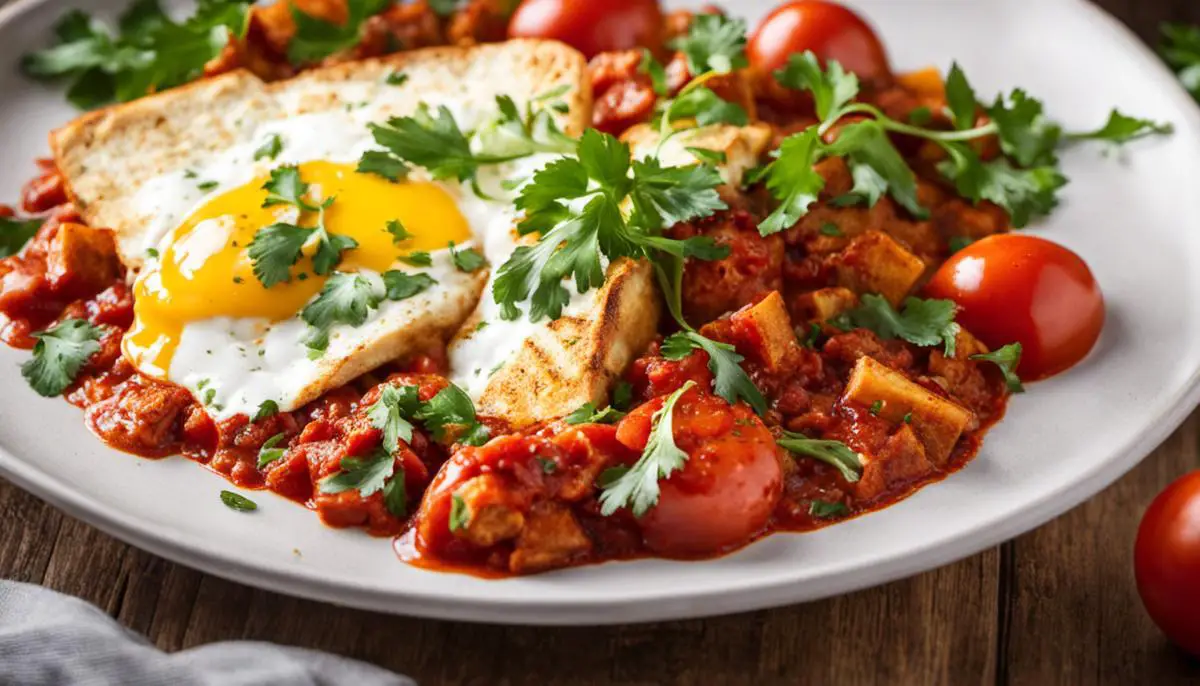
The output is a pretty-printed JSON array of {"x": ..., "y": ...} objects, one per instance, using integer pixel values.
[
  {"x": 1166, "y": 562},
  {"x": 725, "y": 493},
  {"x": 591, "y": 26},
  {"x": 829, "y": 30},
  {"x": 1013, "y": 288}
]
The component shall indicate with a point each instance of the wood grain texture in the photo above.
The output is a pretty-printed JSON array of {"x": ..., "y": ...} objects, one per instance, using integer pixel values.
[{"x": 1056, "y": 606}]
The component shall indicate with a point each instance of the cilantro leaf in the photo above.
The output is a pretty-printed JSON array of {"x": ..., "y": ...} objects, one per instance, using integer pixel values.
[
  {"x": 236, "y": 501},
  {"x": 707, "y": 155},
  {"x": 269, "y": 452},
  {"x": 396, "y": 78},
  {"x": 400, "y": 285},
  {"x": 466, "y": 260},
  {"x": 588, "y": 414},
  {"x": 399, "y": 233},
  {"x": 622, "y": 395},
  {"x": 511, "y": 134},
  {"x": 921, "y": 322},
  {"x": 59, "y": 354},
  {"x": 833, "y": 453},
  {"x": 792, "y": 180},
  {"x": 460, "y": 516},
  {"x": 637, "y": 488},
  {"x": 877, "y": 166},
  {"x": 274, "y": 250},
  {"x": 1181, "y": 49},
  {"x": 315, "y": 39},
  {"x": 730, "y": 381},
  {"x": 1026, "y": 134},
  {"x": 822, "y": 509},
  {"x": 382, "y": 164},
  {"x": 15, "y": 233},
  {"x": 1121, "y": 129},
  {"x": 330, "y": 247},
  {"x": 270, "y": 148},
  {"x": 430, "y": 140},
  {"x": 390, "y": 415},
  {"x": 1007, "y": 358},
  {"x": 151, "y": 52},
  {"x": 960, "y": 96},
  {"x": 417, "y": 258},
  {"x": 1025, "y": 194},
  {"x": 714, "y": 43},
  {"x": 831, "y": 88},
  {"x": 285, "y": 187},
  {"x": 266, "y": 409},
  {"x": 654, "y": 69},
  {"x": 367, "y": 475},
  {"x": 344, "y": 299},
  {"x": 706, "y": 107},
  {"x": 452, "y": 407},
  {"x": 665, "y": 196}
]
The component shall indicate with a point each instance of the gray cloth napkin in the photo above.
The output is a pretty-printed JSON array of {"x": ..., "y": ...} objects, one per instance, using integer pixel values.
[{"x": 55, "y": 640}]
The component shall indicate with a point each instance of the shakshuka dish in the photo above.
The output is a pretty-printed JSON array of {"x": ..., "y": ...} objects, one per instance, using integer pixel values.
[{"x": 535, "y": 285}]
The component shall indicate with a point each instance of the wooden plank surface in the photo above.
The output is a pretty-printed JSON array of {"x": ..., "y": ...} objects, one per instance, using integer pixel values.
[{"x": 1056, "y": 606}]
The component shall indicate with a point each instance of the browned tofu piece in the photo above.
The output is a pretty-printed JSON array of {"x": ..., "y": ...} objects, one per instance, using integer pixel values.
[
  {"x": 901, "y": 460},
  {"x": 937, "y": 422},
  {"x": 86, "y": 256},
  {"x": 875, "y": 263},
  {"x": 966, "y": 345},
  {"x": 551, "y": 538},
  {"x": 769, "y": 317},
  {"x": 825, "y": 303},
  {"x": 490, "y": 519}
]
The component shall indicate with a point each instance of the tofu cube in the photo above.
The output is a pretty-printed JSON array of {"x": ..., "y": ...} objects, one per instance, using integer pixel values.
[
  {"x": 770, "y": 319},
  {"x": 875, "y": 263},
  {"x": 937, "y": 422},
  {"x": 825, "y": 303}
]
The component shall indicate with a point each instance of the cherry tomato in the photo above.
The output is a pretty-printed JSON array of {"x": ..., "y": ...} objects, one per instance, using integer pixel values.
[
  {"x": 1013, "y": 288},
  {"x": 727, "y": 489},
  {"x": 829, "y": 30},
  {"x": 1166, "y": 562},
  {"x": 591, "y": 26}
]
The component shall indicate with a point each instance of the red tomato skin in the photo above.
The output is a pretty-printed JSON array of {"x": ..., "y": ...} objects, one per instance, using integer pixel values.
[
  {"x": 1166, "y": 562},
  {"x": 727, "y": 490},
  {"x": 831, "y": 31},
  {"x": 591, "y": 26},
  {"x": 1023, "y": 289}
]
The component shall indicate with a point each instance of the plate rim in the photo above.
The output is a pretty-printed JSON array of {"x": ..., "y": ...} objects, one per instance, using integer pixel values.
[{"x": 509, "y": 609}]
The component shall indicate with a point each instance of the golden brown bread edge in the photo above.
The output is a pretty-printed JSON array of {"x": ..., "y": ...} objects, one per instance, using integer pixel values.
[
  {"x": 575, "y": 359},
  {"x": 106, "y": 155}
]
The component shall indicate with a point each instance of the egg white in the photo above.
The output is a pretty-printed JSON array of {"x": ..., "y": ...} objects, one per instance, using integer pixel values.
[{"x": 234, "y": 365}]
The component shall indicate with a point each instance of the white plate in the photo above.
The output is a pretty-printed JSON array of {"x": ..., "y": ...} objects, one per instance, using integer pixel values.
[{"x": 1133, "y": 217}]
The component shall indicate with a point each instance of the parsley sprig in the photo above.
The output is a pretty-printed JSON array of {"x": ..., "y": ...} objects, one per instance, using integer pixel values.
[
  {"x": 576, "y": 205},
  {"x": 1181, "y": 49},
  {"x": 15, "y": 233},
  {"x": 1024, "y": 181},
  {"x": 920, "y": 322},
  {"x": 148, "y": 53},
  {"x": 349, "y": 299},
  {"x": 276, "y": 248},
  {"x": 370, "y": 475},
  {"x": 1006, "y": 358},
  {"x": 451, "y": 408},
  {"x": 433, "y": 139},
  {"x": 833, "y": 453},
  {"x": 59, "y": 354},
  {"x": 636, "y": 487},
  {"x": 315, "y": 39}
]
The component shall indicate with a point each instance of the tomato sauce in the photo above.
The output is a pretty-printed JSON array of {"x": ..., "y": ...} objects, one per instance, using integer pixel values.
[{"x": 532, "y": 496}]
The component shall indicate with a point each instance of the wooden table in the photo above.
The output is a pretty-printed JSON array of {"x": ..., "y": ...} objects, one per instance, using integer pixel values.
[{"x": 1055, "y": 606}]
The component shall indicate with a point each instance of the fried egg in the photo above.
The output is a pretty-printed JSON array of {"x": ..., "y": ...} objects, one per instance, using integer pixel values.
[{"x": 193, "y": 202}]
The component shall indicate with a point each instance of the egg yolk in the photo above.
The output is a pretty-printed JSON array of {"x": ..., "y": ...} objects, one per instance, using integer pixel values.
[{"x": 206, "y": 271}]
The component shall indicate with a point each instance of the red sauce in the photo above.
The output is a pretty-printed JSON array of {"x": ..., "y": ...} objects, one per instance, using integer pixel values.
[{"x": 532, "y": 496}]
